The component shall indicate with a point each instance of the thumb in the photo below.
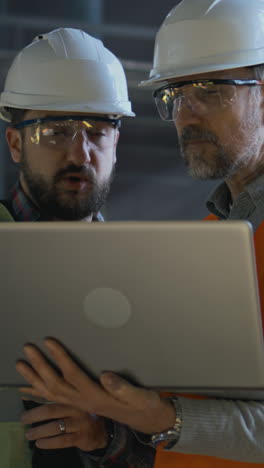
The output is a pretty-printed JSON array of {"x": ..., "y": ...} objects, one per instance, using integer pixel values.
[{"x": 120, "y": 389}]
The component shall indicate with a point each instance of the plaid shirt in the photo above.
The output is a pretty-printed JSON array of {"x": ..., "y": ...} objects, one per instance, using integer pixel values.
[
  {"x": 124, "y": 451},
  {"x": 24, "y": 209}
]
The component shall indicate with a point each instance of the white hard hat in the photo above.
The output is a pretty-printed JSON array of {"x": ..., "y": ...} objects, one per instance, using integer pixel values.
[
  {"x": 200, "y": 36},
  {"x": 66, "y": 70}
]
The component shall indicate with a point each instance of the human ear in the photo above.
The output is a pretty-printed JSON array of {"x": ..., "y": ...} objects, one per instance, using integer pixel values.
[{"x": 14, "y": 141}]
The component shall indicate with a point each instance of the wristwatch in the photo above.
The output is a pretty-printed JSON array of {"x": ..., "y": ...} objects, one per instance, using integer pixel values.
[{"x": 171, "y": 436}]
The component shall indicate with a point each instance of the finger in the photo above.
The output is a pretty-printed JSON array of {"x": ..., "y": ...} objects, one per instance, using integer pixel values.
[
  {"x": 82, "y": 433},
  {"x": 70, "y": 370},
  {"x": 40, "y": 364},
  {"x": 142, "y": 409},
  {"x": 126, "y": 393},
  {"x": 38, "y": 388},
  {"x": 40, "y": 400},
  {"x": 30, "y": 391},
  {"x": 43, "y": 377},
  {"x": 50, "y": 411},
  {"x": 50, "y": 429},
  {"x": 89, "y": 396},
  {"x": 57, "y": 442},
  {"x": 82, "y": 382},
  {"x": 28, "y": 373}
]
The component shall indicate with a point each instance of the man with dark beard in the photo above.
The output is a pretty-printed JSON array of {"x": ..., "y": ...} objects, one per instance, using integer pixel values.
[
  {"x": 64, "y": 96},
  {"x": 66, "y": 163}
]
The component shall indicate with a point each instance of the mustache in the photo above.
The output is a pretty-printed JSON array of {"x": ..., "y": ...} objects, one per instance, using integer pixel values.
[
  {"x": 83, "y": 171},
  {"x": 193, "y": 133}
]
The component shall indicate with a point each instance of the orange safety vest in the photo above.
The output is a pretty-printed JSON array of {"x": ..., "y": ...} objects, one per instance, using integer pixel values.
[{"x": 166, "y": 459}]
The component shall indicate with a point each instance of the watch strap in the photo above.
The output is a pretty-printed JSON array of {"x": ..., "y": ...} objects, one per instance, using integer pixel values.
[{"x": 171, "y": 436}]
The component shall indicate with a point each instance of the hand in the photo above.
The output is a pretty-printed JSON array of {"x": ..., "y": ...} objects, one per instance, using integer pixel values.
[
  {"x": 141, "y": 409},
  {"x": 82, "y": 430}
]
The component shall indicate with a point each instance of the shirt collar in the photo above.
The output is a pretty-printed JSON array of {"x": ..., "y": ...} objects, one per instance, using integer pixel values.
[
  {"x": 248, "y": 205},
  {"x": 219, "y": 201},
  {"x": 23, "y": 207},
  {"x": 25, "y": 210}
]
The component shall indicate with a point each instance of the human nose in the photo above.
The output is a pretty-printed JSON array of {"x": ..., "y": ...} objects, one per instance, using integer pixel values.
[{"x": 79, "y": 151}]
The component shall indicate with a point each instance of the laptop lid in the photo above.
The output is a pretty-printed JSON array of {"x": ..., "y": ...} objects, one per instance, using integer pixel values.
[{"x": 173, "y": 305}]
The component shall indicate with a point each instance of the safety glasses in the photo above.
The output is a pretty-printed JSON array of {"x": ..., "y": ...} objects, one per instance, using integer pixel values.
[
  {"x": 203, "y": 96},
  {"x": 60, "y": 131}
]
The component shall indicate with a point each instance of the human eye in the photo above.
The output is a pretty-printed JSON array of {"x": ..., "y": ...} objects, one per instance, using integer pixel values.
[
  {"x": 54, "y": 131},
  {"x": 59, "y": 132},
  {"x": 211, "y": 91},
  {"x": 206, "y": 92},
  {"x": 62, "y": 130},
  {"x": 99, "y": 130},
  {"x": 95, "y": 133},
  {"x": 51, "y": 133},
  {"x": 176, "y": 93}
]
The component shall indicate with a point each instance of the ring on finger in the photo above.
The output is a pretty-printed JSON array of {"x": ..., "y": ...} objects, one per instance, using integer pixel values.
[{"x": 62, "y": 427}]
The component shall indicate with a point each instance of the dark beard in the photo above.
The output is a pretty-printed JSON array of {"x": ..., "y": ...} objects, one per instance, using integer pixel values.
[{"x": 49, "y": 199}]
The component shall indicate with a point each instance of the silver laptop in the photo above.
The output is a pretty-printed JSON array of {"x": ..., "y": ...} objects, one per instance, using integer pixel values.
[{"x": 170, "y": 305}]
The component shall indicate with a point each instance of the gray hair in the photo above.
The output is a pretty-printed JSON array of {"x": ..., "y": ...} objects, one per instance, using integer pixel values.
[{"x": 258, "y": 71}]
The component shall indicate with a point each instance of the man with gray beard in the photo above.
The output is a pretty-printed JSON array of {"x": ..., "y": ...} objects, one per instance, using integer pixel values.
[
  {"x": 209, "y": 151},
  {"x": 209, "y": 74}
]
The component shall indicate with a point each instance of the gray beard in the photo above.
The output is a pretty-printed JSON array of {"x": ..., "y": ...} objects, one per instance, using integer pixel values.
[
  {"x": 222, "y": 164},
  {"x": 198, "y": 166}
]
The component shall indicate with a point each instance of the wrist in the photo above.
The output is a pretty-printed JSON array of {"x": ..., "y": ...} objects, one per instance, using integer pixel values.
[
  {"x": 105, "y": 443},
  {"x": 169, "y": 436}
]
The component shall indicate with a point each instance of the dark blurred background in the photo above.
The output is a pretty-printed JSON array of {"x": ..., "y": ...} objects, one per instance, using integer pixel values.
[{"x": 151, "y": 181}]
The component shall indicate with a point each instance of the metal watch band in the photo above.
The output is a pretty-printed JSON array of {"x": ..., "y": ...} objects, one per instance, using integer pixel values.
[{"x": 171, "y": 435}]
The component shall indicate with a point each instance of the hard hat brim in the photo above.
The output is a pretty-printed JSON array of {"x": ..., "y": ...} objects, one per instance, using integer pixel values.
[
  {"x": 200, "y": 67},
  {"x": 58, "y": 104}
]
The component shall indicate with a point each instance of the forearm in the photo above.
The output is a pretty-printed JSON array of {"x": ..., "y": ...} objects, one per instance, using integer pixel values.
[{"x": 223, "y": 428}]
